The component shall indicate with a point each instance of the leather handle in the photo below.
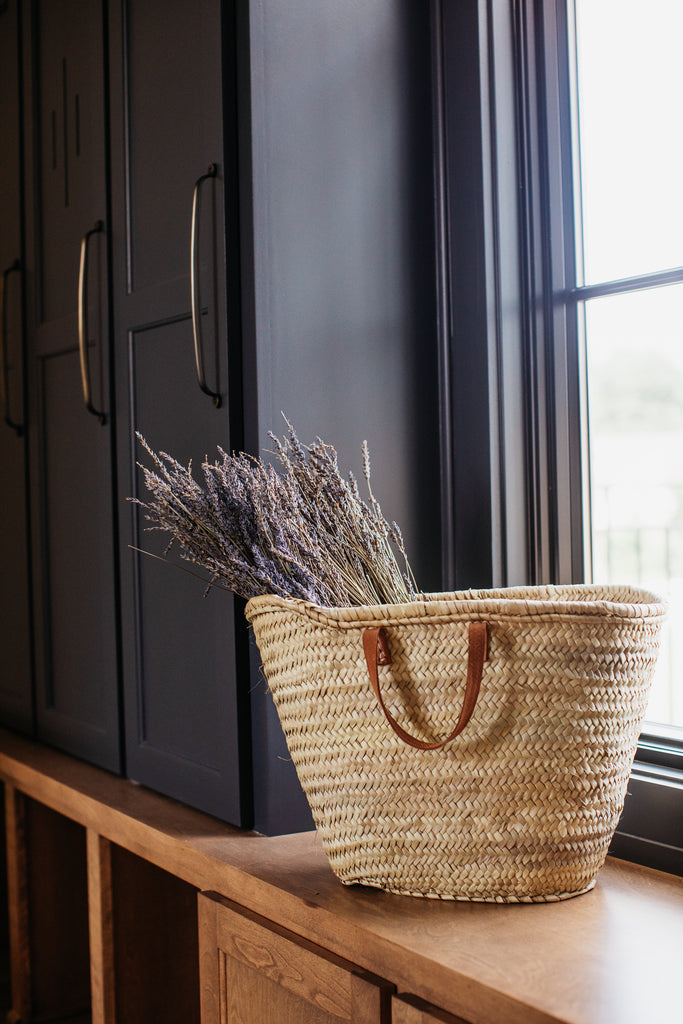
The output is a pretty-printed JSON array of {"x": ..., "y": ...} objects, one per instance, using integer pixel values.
[{"x": 377, "y": 653}]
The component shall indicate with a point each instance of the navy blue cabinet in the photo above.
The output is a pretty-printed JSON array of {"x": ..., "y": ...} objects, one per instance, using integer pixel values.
[{"x": 297, "y": 139}]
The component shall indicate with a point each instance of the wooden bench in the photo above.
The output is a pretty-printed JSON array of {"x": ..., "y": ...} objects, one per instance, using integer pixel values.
[{"x": 132, "y": 908}]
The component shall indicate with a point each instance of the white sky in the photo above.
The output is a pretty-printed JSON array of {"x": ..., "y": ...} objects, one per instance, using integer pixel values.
[
  {"x": 630, "y": 91},
  {"x": 630, "y": 100}
]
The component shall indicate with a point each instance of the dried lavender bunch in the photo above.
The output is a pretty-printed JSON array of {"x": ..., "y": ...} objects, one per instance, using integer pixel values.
[{"x": 304, "y": 532}]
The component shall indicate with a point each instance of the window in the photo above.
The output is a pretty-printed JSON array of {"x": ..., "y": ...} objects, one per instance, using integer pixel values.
[
  {"x": 628, "y": 209},
  {"x": 562, "y": 304}
]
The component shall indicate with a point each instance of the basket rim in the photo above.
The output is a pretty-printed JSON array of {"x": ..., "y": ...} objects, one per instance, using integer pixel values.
[{"x": 549, "y": 601}]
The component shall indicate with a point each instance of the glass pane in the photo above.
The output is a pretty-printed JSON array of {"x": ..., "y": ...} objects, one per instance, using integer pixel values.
[
  {"x": 635, "y": 407},
  {"x": 630, "y": 83}
]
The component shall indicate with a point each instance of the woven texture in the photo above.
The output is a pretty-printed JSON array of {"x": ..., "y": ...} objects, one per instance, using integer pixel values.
[{"x": 522, "y": 805}]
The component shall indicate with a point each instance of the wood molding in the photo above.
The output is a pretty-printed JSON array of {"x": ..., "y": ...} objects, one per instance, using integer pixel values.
[
  {"x": 17, "y": 886},
  {"x": 100, "y": 905}
]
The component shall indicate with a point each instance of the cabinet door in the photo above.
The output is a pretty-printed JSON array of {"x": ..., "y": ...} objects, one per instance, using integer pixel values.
[
  {"x": 252, "y": 972},
  {"x": 166, "y": 68},
  {"x": 71, "y": 464},
  {"x": 410, "y": 1010},
  {"x": 16, "y": 705}
]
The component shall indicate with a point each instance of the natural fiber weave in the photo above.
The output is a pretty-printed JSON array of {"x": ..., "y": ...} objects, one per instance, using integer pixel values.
[{"x": 522, "y": 805}]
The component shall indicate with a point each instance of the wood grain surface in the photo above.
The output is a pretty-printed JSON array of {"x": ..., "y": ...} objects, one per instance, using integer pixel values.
[
  {"x": 266, "y": 975},
  {"x": 101, "y": 918},
  {"x": 612, "y": 955},
  {"x": 410, "y": 1010}
]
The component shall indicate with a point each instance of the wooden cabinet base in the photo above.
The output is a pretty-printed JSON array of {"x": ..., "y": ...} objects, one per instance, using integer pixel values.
[
  {"x": 256, "y": 973},
  {"x": 156, "y": 963},
  {"x": 121, "y": 902},
  {"x": 48, "y": 911}
]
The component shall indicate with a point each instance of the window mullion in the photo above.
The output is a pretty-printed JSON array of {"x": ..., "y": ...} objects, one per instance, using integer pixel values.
[
  {"x": 626, "y": 284},
  {"x": 547, "y": 243}
]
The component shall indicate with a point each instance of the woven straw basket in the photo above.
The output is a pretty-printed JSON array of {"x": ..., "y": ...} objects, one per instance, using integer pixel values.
[{"x": 473, "y": 745}]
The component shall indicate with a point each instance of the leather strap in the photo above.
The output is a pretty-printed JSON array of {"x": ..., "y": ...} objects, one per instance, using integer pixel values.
[{"x": 377, "y": 653}]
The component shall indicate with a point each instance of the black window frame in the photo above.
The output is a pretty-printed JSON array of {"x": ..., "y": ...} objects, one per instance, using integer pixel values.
[{"x": 510, "y": 309}]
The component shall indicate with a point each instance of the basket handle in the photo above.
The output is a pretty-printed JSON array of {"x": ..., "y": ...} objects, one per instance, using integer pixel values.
[{"x": 377, "y": 653}]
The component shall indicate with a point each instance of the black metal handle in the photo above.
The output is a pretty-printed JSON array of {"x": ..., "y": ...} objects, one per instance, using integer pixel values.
[
  {"x": 211, "y": 172},
  {"x": 4, "y": 379},
  {"x": 83, "y": 321}
]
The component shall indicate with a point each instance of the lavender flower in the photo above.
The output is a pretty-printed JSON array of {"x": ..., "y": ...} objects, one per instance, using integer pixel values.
[{"x": 304, "y": 532}]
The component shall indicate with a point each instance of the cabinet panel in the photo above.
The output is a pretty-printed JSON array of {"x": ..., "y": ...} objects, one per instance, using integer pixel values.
[
  {"x": 253, "y": 972},
  {"x": 173, "y": 85},
  {"x": 78, "y": 674},
  {"x": 182, "y": 701},
  {"x": 179, "y": 665},
  {"x": 70, "y": 155},
  {"x": 16, "y": 706}
]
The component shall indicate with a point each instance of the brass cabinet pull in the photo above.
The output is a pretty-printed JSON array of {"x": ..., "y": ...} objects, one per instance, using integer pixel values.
[
  {"x": 194, "y": 286},
  {"x": 83, "y": 320}
]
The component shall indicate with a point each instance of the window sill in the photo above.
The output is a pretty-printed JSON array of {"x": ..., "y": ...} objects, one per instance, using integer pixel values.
[{"x": 650, "y": 831}]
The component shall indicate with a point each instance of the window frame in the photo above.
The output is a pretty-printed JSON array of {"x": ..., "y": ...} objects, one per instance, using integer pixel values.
[{"x": 510, "y": 336}]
